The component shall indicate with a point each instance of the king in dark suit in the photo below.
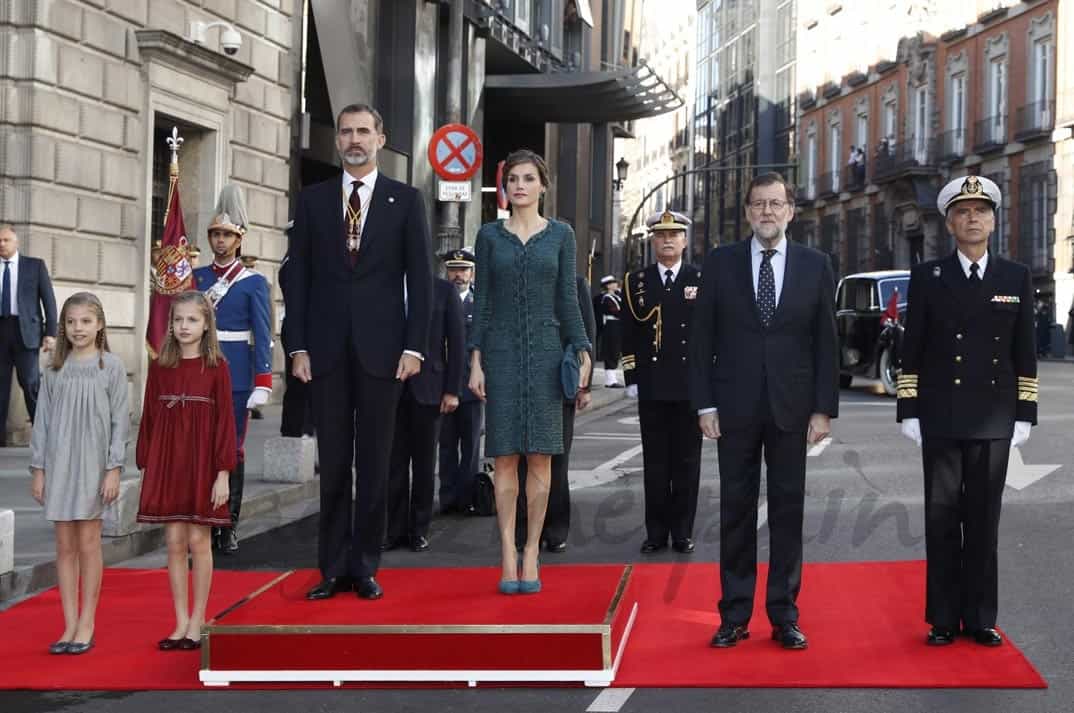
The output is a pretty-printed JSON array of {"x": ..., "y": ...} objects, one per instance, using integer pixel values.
[
  {"x": 355, "y": 240},
  {"x": 27, "y": 322},
  {"x": 967, "y": 394},
  {"x": 426, "y": 397},
  {"x": 765, "y": 379},
  {"x": 656, "y": 321}
]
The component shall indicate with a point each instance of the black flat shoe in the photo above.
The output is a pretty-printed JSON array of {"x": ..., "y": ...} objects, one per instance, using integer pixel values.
[
  {"x": 729, "y": 635},
  {"x": 649, "y": 547},
  {"x": 684, "y": 546},
  {"x": 189, "y": 644},
  {"x": 939, "y": 636},
  {"x": 78, "y": 649},
  {"x": 555, "y": 546},
  {"x": 368, "y": 588},
  {"x": 168, "y": 644},
  {"x": 328, "y": 587},
  {"x": 419, "y": 543},
  {"x": 987, "y": 637},
  {"x": 790, "y": 637},
  {"x": 58, "y": 647}
]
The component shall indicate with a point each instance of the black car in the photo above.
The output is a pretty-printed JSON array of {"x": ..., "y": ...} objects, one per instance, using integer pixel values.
[{"x": 869, "y": 341}]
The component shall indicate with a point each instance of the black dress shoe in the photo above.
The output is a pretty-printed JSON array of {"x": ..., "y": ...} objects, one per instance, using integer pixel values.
[
  {"x": 684, "y": 546},
  {"x": 189, "y": 644},
  {"x": 650, "y": 546},
  {"x": 419, "y": 543},
  {"x": 58, "y": 647},
  {"x": 76, "y": 649},
  {"x": 328, "y": 587},
  {"x": 229, "y": 541},
  {"x": 987, "y": 637},
  {"x": 391, "y": 543},
  {"x": 790, "y": 637},
  {"x": 940, "y": 636},
  {"x": 168, "y": 644},
  {"x": 467, "y": 510},
  {"x": 555, "y": 546},
  {"x": 368, "y": 588},
  {"x": 729, "y": 635}
]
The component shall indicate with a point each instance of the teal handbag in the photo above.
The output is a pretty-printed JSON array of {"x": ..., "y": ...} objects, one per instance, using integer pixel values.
[{"x": 570, "y": 373}]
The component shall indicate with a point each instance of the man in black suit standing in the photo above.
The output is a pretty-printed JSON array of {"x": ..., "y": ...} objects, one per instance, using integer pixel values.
[
  {"x": 27, "y": 322},
  {"x": 765, "y": 378},
  {"x": 967, "y": 394},
  {"x": 356, "y": 338},
  {"x": 660, "y": 301},
  {"x": 460, "y": 430},
  {"x": 426, "y": 397}
]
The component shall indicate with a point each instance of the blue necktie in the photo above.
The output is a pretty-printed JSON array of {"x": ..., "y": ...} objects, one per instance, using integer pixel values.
[
  {"x": 5, "y": 291},
  {"x": 766, "y": 287}
]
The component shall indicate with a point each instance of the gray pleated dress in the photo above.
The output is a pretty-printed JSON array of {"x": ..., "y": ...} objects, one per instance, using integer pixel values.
[{"x": 80, "y": 431}]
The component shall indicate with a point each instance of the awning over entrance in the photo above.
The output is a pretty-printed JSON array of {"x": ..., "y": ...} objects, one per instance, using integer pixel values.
[{"x": 580, "y": 97}]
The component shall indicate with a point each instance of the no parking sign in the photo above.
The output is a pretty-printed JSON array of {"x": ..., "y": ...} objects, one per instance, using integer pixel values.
[{"x": 455, "y": 152}]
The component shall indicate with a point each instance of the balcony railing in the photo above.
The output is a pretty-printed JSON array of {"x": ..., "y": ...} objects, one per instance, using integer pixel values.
[
  {"x": 828, "y": 184},
  {"x": 915, "y": 155},
  {"x": 854, "y": 177},
  {"x": 807, "y": 191},
  {"x": 952, "y": 145},
  {"x": 990, "y": 134},
  {"x": 1035, "y": 120}
]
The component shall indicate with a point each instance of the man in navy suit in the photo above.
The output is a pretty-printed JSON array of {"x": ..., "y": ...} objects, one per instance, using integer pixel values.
[
  {"x": 356, "y": 239},
  {"x": 460, "y": 430},
  {"x": 426, "y": 397},
  {"x": 764, "y": 379},
  {"x": 27, "y": 322}
]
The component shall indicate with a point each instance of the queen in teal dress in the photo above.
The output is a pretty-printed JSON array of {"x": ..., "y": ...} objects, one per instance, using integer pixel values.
[{"x": 525, "y": 314}]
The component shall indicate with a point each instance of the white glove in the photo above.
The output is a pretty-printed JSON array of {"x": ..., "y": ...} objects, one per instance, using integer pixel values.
[
  {"x": 632, "y": 391},
  {"x": 1021, "y": 433},
  {"x": 259, "y": 397},
  {"x": 911, "y": 428}
]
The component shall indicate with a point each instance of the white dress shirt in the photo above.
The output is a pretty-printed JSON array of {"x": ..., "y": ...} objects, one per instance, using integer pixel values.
[
  {"x": 13, "y": 296},
  {"x": 966, "y": 262},
  {"x": 779, "y": 263},
  {"x": 464, "y": 295},
  {"x": 664, "y": 270},
  {"x": 365, "y": 193}
]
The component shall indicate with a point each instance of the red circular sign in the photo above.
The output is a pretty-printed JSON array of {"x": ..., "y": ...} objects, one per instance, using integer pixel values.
[{"x": 455, "y": 152}]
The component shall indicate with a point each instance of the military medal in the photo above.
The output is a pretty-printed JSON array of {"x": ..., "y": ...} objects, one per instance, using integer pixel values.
[{"x": 354, "y": 225}]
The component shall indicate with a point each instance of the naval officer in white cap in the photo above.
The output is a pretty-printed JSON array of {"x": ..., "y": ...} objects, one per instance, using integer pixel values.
[{"x": 967, "y": 394}]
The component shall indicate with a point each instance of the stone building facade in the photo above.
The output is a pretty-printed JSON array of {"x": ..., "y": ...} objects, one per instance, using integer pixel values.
[
  {"x": 90, "y": 89},
  {"x": 948, "y": 101}
]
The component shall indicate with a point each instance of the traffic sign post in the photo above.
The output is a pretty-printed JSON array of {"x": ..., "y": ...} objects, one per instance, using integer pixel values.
[{"x": 455, "y": 152}]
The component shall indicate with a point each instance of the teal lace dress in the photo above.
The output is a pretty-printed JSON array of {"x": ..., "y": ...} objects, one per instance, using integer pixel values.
[{"x": 525, "y": 313}]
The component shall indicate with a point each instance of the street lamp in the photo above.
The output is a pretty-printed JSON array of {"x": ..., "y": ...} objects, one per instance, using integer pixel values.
[{"x": 622, "y": 166}]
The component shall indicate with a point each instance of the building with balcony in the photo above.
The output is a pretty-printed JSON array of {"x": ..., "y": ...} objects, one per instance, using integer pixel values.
[{"x": 979, "y": 98}]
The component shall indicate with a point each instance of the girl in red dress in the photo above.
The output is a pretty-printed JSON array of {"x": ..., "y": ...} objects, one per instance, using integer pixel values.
[{"x": 186, "y": 448}]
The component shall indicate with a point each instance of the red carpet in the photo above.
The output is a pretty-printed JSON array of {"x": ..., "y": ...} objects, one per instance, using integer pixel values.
[{"x": 864, "y": 623}]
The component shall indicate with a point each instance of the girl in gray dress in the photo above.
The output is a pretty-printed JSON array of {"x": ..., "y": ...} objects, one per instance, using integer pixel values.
[
  {"x": 525, "y": 314},
  {"x": 77, "y": 453}
]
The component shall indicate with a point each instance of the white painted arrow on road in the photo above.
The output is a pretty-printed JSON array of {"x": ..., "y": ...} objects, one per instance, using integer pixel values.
[{"x": 1021, "y": 475}]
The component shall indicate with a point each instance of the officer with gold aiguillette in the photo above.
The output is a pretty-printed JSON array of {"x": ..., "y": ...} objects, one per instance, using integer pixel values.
[
  {"x": 659, "y": 302},
  {"x": 967, "y": 394}
]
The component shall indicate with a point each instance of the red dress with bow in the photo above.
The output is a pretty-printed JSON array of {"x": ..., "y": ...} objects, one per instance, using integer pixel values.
[{"x": 187, "y": 436}]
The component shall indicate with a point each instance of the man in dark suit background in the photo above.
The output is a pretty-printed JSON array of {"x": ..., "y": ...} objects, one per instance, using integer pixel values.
[
  {"x": 460, "y": 430},
  {"x": 433, "y": 392},
  {"x": 557, "y": 518},
  {"x": 27, "y": 322},
  {"x": 764, "y": 378},
  {"x": 356, "y": 238},
  {"x": 296, "y": 418}
]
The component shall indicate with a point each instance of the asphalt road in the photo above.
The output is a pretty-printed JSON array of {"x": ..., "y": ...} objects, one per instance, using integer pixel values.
[{"x": 864, "y": 502}]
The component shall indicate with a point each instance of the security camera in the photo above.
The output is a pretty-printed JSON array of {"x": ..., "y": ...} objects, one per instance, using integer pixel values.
[{"x": 230, "y": 41}]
